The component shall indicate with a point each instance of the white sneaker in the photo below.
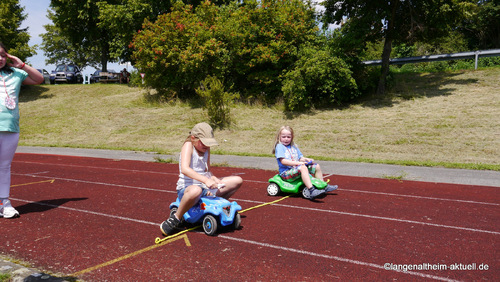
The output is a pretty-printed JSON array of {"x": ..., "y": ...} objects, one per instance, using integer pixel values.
[
  {"x": 6, "y": 209},
  {"x": 8, "y": 212}
]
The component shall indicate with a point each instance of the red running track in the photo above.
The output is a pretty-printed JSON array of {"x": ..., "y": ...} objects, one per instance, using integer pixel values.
[{"x": 97, "y": 219}]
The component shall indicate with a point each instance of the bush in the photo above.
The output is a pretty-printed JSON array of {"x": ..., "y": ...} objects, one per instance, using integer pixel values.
[
  {"x": 216, "y": 101},
  {"x": 317, "y": 79},
  {"x": 180, "y": 49},
  {"x": 248, "y": 44}
]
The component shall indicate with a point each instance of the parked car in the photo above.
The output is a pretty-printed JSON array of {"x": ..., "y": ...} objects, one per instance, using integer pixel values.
[
  {"x": 66, "y": 73},
  {"x": 101, "y": 76},
  {"x": 46, "y": 76},
  {"x": 94, "y": 78}
]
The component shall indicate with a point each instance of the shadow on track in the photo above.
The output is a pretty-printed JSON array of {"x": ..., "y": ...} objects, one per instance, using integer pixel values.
[{"x": 45, "y": 205}]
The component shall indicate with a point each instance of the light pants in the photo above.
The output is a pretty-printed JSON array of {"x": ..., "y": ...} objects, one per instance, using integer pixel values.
[{"x": 8, "y": 146}]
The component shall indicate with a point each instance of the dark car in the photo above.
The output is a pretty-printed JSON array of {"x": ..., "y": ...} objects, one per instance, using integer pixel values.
[
  {"x": 101, "y": 76},
  {"x": 66, "y": 74},
  {"x": 46, "y": 76},
  {"x": 94, "y": 78}
]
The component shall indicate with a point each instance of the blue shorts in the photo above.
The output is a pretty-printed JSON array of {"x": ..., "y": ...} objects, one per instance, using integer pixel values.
[
  {"x": 180, "y": 193},
  {"x": 294, "y": 172}
]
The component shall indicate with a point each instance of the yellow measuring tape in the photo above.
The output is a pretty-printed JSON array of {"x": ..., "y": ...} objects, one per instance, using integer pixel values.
[
  {"x": 264, "y": 204},
  {"x": 159, "y": 240},
  {"x": 186, "y": 240}
]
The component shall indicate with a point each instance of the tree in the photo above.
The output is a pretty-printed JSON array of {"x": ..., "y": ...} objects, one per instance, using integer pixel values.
[
  {"x": 248, "y": 46},
  {"x": 59, "y": 50},
  {"x": 124, "y": 19},
  {"x": 179, "y": 50},
  {"x": 95, "y": 32},
  {"x": 400, "y": 21},
  {"x": 11, "y": 35},
  {"x": 264, "y": 39},
  {"x": 483, "y": 30},
  {"x": 76, "y": 27},
  {"x": 100, "y": 31}
]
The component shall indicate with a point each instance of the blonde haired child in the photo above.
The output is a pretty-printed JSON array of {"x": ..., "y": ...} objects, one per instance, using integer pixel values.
[
  {"x": 292, "y": 164},
  {"x": 195, "y": 178}
]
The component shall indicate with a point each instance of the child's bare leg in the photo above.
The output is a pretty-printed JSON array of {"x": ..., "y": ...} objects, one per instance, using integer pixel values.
[
  {"x": 304, "y": 172},
  {"x": 233, "y": 183},
  {"x": 192, "y": 195},
  {"x": 318, "y": 174}
]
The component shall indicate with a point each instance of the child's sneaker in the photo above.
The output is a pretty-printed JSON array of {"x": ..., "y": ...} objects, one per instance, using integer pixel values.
[
  {"x": 170, "y": 225},
  {"x": 9, "y": 212},
  {"x": 330, "y": 188},
  {"x": 6, "y": 209},
  {"x": 313, "y": 192}
]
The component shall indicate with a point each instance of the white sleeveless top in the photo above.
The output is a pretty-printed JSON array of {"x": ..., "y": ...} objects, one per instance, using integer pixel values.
[{"x": 198, "y": 164}]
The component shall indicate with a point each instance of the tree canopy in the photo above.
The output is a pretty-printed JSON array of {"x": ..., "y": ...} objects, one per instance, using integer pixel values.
[
  {"x": 251, "y": 47},
  {"x": 95, "y": 32},
  {"x": 11, "y": 34},
  {"x": 482, "y": 30},
  {"x": 395, "y": 22}
]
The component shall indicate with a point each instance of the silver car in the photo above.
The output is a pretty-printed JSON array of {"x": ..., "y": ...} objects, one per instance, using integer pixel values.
[{"x": 46, "y": 76}]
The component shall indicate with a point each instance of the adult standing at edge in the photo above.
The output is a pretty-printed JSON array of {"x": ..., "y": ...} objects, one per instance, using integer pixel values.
[{"x": 13, "y": 73}]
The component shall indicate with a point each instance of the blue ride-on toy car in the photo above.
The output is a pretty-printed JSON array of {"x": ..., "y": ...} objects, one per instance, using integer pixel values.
[{"x": 211, "y": 211}]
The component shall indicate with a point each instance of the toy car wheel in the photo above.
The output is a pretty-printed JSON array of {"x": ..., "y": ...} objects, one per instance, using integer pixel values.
[
  {"x": 210, "y": 225},
  {"x": 273, "y": 189},
  {"x": 305, "y": 193},
  {"x": 237, "y": 221}
]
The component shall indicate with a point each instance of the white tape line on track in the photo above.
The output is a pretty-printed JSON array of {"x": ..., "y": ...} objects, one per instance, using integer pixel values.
[
  {"x": 421, "y": 197},
  {"x": 402, "y": 195},
  {"x": 259, "y": 181},
  {"x": 97, "y": 183},
  {"x": 87, "y": 211},
  {"x": 100, "y": 167},
  {"x": 357, "y": 262},
  {"x": 395, "y": 219},
  {"x": 287, "y": 206},
  {"x": 361, "y": 263}
]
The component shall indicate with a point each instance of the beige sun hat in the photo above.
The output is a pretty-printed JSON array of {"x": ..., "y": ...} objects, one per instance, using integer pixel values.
[{"x": 205, "y": 133}]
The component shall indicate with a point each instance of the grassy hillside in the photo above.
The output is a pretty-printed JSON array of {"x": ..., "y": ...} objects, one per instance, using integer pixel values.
[{"x": 445, "y": 119}]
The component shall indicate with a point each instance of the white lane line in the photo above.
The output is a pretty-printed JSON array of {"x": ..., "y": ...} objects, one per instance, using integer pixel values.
[
  {"x": 289, "y": 206},
  {"x": 87, "y": 211},
  {"x": 394, "y": 219},
  {"x": 402, "y": 195},
  {"x": 98, "y": 183},
  {"x": 361, "y": 263},
  {"x": 259, "y": 181},
  {"x": 98, "y": 167},
  {"x": 421, "y": 197},
  {"x": 357, "y": 262}
]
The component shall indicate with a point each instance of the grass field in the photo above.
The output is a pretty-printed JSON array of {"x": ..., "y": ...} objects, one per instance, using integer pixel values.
[{"x": 435, "y": 119}]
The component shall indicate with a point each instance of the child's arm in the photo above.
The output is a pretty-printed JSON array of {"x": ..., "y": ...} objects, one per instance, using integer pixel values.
[
  {"x": 186, "y": 152},
  {"x": 306, "y": 160},
  {"x": 288, "y": 162},
  {"x": 214, "y": 178},
  {"x": 34, "y": 77}
]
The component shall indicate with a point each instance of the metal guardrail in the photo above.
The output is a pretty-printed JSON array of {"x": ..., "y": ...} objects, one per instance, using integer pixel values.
[{"x": 441, "y": 57}]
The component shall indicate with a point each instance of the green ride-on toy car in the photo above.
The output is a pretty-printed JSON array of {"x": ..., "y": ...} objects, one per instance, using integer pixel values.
[{"x": 277, "y": 185}]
